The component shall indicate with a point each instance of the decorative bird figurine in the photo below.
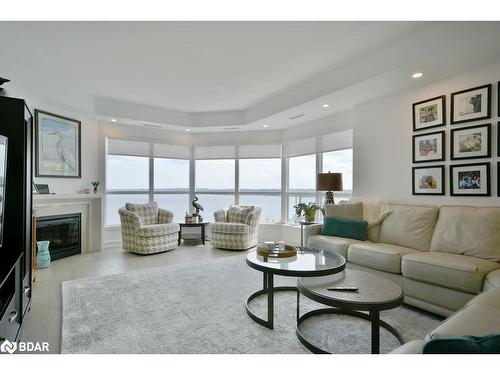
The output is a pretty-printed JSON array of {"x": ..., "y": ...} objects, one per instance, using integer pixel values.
[
  {"x": 197, "y": 206},
  {"x": 64, "y": 151}
]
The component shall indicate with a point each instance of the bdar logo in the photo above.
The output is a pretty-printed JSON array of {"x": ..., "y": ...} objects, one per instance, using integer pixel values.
[{"x": 8, "y": 347}]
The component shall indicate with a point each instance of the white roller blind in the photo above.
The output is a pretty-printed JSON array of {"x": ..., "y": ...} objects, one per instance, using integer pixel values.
[
  {"x": 172, "y": 151},
  {"x": 302, "y": 147},
  {"x": 259, "y": 151},
  {"x": 214, "y": 152},
  {"x": 336, "y": 141},
  {"x": 131, "y": 148}
]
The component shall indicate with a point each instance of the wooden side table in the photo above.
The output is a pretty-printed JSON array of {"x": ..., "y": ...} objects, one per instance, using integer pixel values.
[{"x": 201, "y": 237}]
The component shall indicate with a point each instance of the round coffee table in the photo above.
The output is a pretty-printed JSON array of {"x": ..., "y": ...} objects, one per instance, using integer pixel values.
[
  {"x": 308, "y": 262},
  {"x": 374, "y": 294}
]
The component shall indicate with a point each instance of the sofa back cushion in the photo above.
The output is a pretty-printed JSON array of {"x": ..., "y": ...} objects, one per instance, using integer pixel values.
[
  {"x": 147, "y": 212},
  {"x": 409, "y": 226},
  {"x": 238, "y": 214},
  {"x": 472, "y": 231},
  {"x": 353, "y": 211}
]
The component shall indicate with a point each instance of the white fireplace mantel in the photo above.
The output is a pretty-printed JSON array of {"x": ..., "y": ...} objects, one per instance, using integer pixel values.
[{"x": 88, "y": 205}]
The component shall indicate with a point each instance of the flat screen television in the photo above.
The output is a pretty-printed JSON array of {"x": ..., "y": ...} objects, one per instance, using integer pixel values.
[{"x": 3, "y": 178}]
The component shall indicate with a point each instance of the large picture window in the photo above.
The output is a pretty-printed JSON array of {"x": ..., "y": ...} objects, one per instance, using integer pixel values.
[
  {"x": 260, "y": 185},
  {"x": 139, "y": 172},
  {"x": 171, "y": 185},
  {"x": 120, "y": 188}
]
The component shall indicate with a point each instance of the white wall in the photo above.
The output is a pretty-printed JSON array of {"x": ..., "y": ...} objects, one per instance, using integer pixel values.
[
  {"x": 91, "y": 170},
  {"x": 382, "y": 131}
]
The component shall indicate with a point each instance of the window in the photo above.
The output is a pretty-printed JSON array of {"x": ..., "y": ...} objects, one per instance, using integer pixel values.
[
  {"x": 302, "y": 173},
  {"x": 171, "y": 174},
  {"x": 120, "y": 188},
  {"x": 260, "y": 185},
  {"x": 301, "y": 182},
  {"x": 171, "y": 185},
  {"x": 270, "y": 206},
  {"x": 260, "y": 175},
  {"x": 121, "y": 167},
  {"x": 214, "y": 175},
  {"x": 138, "y": 172},
  {"x": 214, "y": 202},
  {"x": 341, "y": 162}
]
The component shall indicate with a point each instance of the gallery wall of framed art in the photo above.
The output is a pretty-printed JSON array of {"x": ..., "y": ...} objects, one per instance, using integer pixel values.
[{"x": 470, "y": 146}]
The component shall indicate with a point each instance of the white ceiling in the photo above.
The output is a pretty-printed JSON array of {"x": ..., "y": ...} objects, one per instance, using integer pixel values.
[{"x": 211, "y": 75}]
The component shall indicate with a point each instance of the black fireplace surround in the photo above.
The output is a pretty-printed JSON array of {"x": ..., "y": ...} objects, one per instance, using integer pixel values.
[{"x": 63, "y": 232}]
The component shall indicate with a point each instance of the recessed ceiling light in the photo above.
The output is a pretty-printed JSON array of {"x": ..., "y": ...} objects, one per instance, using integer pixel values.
[
  {"x": 188, "y": 130},
  {"x": 265, "y": 126},
  {"x": 417, "y": 75},
  {"x": 326, "y": 105},
  {"x": 113, "y": 120}
]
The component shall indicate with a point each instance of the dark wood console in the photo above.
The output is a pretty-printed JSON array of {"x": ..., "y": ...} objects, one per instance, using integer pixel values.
[{"x": 16, "y": 249}]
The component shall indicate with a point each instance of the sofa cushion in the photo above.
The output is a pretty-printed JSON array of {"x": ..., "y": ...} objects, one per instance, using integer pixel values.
[
  {"x": 489, "y": 344},
  {"x": 384, "y": 257},
  {"x": 147, "y": 212},
  {"x": 476, "y": 320},
  {"x": 238, "y": 214},
  {"x": 154, "y": 230},
  {"x": 353, "y": 211},
  {"x": 472, "y": 231},
  {"x": 340, "y": 227},
  {"x": 337, "y": 244},
  {"x": 491, "y": 298},
  {"x": 409, "y": 226},
  {"x": 411, "y": 347},
  {"x": 229, "y": 228},
  {"x": 449, "y": 270}
]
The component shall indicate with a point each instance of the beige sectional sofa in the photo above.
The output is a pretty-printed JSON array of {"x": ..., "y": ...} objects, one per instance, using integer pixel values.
[{"x": 442, "y": 257}]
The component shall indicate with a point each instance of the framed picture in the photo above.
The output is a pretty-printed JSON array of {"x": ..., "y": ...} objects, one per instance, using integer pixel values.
[
  {"x": 498, "y": 98},
  {"x": 57, "y": 142},
  {"x": 470, "y": 180},
  {"x": 472, "y": 142},
  {"x": 429, "y": 147},
  {"x": 471, "y": 104},
  {"x": 429, "y": 113},
  {"x": 428, "y": 180},
  {"x": 498, "y": 139}
]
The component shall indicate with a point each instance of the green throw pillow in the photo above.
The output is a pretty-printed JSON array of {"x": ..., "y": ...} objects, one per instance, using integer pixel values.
[
  {"x": 340, "y": 227},
  {"x": 464, "y": 345}
]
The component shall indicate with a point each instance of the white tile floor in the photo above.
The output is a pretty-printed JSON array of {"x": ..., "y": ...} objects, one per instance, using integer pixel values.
[{"x": 44, "y": 320}]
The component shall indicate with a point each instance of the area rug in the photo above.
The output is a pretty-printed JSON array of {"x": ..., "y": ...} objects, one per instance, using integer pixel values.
[{"x": 199, "y": 308}]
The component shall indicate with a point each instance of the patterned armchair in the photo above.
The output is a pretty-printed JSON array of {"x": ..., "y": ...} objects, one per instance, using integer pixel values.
[
  {"x": 147, "y": 229},
  {"x": 236, "y": 228}
]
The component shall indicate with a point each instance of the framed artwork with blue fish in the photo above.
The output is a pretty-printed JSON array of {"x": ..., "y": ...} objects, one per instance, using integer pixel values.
[{"x": 57, "y": 142}]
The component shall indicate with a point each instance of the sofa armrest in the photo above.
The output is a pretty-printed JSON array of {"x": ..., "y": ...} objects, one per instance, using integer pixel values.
[
  {"x": 411, "y": 347},
  {"x": 165, "y": 216},
  {"x": 129, "y": 220},
  {"x": 311, "y": 230},
  {"x": 492, "y": 280},
  {"x": 220, "y": 215}
]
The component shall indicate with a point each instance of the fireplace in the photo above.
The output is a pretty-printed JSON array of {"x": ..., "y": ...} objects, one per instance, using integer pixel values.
[{"x": 63, "y": 232}]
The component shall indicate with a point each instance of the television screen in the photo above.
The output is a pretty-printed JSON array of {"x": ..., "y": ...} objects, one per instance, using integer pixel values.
[{"x": 3, "y": 175}]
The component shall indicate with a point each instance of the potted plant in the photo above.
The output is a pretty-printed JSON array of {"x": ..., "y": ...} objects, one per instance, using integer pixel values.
[{"x": 309, "y": 210}]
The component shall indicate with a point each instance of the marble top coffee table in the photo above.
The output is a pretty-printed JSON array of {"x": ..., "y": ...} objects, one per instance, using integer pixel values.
[{"x": 374, "y": 294}]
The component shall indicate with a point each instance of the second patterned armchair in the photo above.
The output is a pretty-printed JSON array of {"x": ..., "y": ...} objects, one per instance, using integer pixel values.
[
  {"x": 147, "y": 229},
  {"x": 235, "y": 228}
]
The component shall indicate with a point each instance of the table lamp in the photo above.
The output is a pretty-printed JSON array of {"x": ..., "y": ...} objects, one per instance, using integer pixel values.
[{"x": 329, "y": 182}]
